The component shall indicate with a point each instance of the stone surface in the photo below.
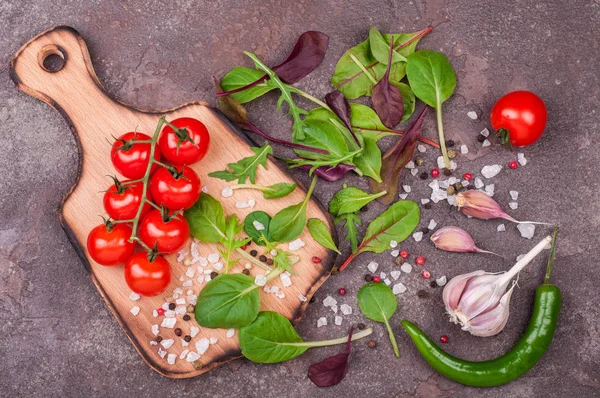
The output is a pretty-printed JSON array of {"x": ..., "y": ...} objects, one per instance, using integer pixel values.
[{"x": 59, "y": 339}]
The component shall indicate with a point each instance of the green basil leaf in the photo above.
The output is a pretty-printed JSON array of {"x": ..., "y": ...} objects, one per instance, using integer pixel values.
[
  {"x": 271, "y": 338},
  {"x": 228, "y": 301},
  {"x": 350, "y": 221},
  {"x": 396, "y": 223},
  {"x": 258, "y": 236},
  {"x": 369, "y": 160},
  {"x": 319, "y": 231},
  {"x": 245, "y": 168},
  {"x": 377, "y": 301},
  {"x": 351, "y": 80},
  {"x": 240, "y": 77},
  {"x": 431, "y": 77},
  {"x": 206, "y": 219},
  {"x": 278, "y": 190},
  {"x": 350, "y": 200},
  {"x": 380, "y": 48}
]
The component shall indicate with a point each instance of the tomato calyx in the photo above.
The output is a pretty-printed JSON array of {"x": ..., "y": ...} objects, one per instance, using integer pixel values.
[
  {"x": 119, "y": 186},
  {"x": 177, "y": 174},
  {"x": 126, "y": 145},
  {"x": 167, "y": 215},
  {"x": 504, "y": 136},
  {"x": 108, "y": 224},
  {"x": 182, "y": 135}
]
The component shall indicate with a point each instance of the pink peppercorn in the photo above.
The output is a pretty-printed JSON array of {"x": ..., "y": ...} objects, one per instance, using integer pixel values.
[
  {"x": 376, "y": 279},
  {"x": 426, "y": 274},
  {"x": 316, "y": 259},
  {"x": 420, "y": 260},
  {"x": 444, "y": 339},
  {"x": 342, "y": 291},
  {"x": 160, "y": 311},
  {"x": 404, "y": 254}
]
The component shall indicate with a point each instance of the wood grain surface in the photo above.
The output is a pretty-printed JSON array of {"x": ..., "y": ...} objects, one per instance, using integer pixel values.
[{"x": 94, "y": 118}]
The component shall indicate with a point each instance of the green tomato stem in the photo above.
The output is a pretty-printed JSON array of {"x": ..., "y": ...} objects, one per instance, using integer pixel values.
[
  {"x": 342, "y": 340},
  {"x": 362, "y": 67},
  {"x": 438, "y": 111},
  {"x": 392, "y": 339}
]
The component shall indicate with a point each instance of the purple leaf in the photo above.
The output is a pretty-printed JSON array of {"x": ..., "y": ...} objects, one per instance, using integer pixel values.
[
  {"x": 306, "y": 55},
  {"x": 340, "y": 106},
  {"x": 253, "y": 128},
  {"x": 394, "y": 160},
  {"x": 330, "y": 173},
  {"x": 331, "y": 370},
  {"x": 387, "y": 99}
]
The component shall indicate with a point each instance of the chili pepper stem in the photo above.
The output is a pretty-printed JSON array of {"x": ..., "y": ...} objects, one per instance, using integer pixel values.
[
  {"x": 506, "y": 277},
  {"x": 551, "y": 257},
  {"x": 356, "y": 336}
]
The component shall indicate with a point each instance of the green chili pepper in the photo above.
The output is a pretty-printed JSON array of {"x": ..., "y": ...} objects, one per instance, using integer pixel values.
[{"x": 516, "y": 362}]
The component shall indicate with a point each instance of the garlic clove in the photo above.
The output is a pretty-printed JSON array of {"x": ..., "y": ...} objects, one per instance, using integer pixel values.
[
  {"x": 455, "y": 287},
  {"x": 481, "y": 293},
  {"x": 493, "y": 321},
  {"x": 455, "y": 239},
  {"x": 478, "y": 204}
]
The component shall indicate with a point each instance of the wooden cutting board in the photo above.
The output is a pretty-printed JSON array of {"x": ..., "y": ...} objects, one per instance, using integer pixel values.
[{"x": 94, "y": 117}]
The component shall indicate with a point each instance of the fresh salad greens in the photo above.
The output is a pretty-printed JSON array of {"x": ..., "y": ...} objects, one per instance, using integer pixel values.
[
  {"x": 319, "y": 231},
  {"x": 271, "y": 338},
  {"x": 288, "y": 223},
  {"x": 350, "y": 200},
  {"x": 257, "y": 225},
  {"x": 350, "y": 221},
  {"x": 245, "y": 168},
  {"x": 378, "y": 303},
  {"x": 387, "y": 98},
  {"x": 274, "y": 191}
]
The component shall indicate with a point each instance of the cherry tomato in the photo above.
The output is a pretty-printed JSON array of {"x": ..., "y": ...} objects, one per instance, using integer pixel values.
[
  {"x": 170, "y": 235},
  {"x": 110, "y": 245},
  {"x": 130, "y": 159},
  {"x": 145, "y": 277},
  {"x": 177, "y": 192},
  {"x": 122, "y": 200},
  {"x": 520, "y": 118},
  {"x": 186, "y": 145}
]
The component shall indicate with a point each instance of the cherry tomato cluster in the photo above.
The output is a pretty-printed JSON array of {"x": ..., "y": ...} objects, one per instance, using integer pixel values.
[{"x": 163, "y": 193}]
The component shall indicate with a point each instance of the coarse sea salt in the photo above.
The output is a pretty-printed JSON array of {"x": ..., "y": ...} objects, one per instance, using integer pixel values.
[
  {"x": 167, "y": 343},
  {"x": 472, "y": 115},
  {"x": 491, "y": 170},
  {"x": 486, "y": 143},
  {"x": 406, "y": 188},
  {"x": 478, "y": 183},
  {"x": 286, "y": 281},
  {"x": 180, "y": 301},
  {"x": 338, "y": 320},
  {"x": 302, "y": 297},
  {"x": 192, "y": 356},
  {"x": 213, "y": 258},
  {"x": 155, "y": 330},
  {"x": 393, "y": 244},
  {"x": 135, "y": 310},
  {"x": 399, "y": 288},
  {"x": 321, "y": 322},
  {"x": 171, "y": 359},
  {"x": 187, "y": 283},
  {"x": 334, "y": 308},
  {"x": 414, "y": 172},
  {"x": 296, "y": 245},
  {"x": 485, "y": 132},
  {"x": 329, "y": 301},
  {"x": 251, "y": 203},
  {"x": 451, "y": 200},
  {"x": 406, "y": 267},
  {"x": 403, "y": 196},
  {"x": 260, "y": 280},
  {"x": 395, "y": 274},
  {"x": 202, "y": 345},
  {"x": 134, "y": 296},
  {"x": 441, "y": 281},
  {"x": 432, "y": 224},
  {"x": 410, "y": 165},
  {"x": 372, "y": 266},
  {"x": 184, "y": 343},
  {"x": 513, "y": 205},
  {"x": 421, "y": 148},
  {"x": 230, "y": 333},
  {"x": 258, "y": 225},
  {"x": 382, "y": 275},
  {"x": 183, "y": 354},
  {"x": 521, "y": 159},
  {"x": 346, "y": 309},
  {"x": 218, "y": 266},
  {"x": 161, "y": 352},
  {"x": 205, "y": 189},
  {"x": 395, "y": 253},
  {"x": 424, "y": 201},
  {"x": 417, "y": 236},
  {"x": 514, "y": 195},
  {"x": 168, "y": 323},
  {"x": 489, "y": 189},
  {"x": 213, "y": 340},
  {"x": 527, "y": 230},
  {"x": 464, "y": 149},
  {"x": 387, "y": 281},
  {"x": 501, "y": 228},
  {"x": 190, "y": 272},
  {"x": 242, "y": 205},
  {"x": 194, "y": 330},
  {"x": 226, "y": 192}
]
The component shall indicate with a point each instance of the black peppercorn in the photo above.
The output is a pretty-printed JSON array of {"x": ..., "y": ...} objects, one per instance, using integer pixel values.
[
  {"x": 458, "y": 187},
  {"x": 368, "y": 278},
  {"x": 481, "y": 138},
  {"x": 214, "y": 274},
  {"x": 253, "y": 253},
  {"x": 172, "y": 306},
  {"x": 422, "y": 294},
  {"x": 433, "y": 284},
  {"x": 178, "y": 332},
  {"x": 158, "y": 339},
  {"x": 186, "y": 317},
  {"x": 246, "y": 271},
  {"x": 187, "y": 338},
  {"x": 447, "y": 172},
  {"x": 424, "y": 175},
  {"x": 427, "y": 205},
  {"x": 361, "y": 326},
  {"x": 425, "y": 231},
  {"x": 449, "y": 143},
  {"x": 262, "y": 258},
  {"x": 269, "y": 261}
]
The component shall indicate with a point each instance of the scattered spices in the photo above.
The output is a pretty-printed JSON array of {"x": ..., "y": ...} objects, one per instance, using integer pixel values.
[
  {"x": 158, "y": 339},
  {"x": 316, "y": 259},
  {"x": 458, "y": 187},
  {"x": 262, "y": 258},
  {"x": 172, "y": 306},
  {"x": 361, "y": 326},
  {"x": 450, "y": 190},
  {"x": 404, "y": 254},
  {"x": 447, "y": 172},
  {"x": 420, "y": 260},
  {"x": 423, "y": 175},
  {"x": 253, "y": 253},
  {"x": 364, "y": 209},
  {"x": 214, "y": 274},
  {"x": 425, "y": 230},
  {"x": 419, "y": 161},
  {"x": 312, "y": 300},
  {"x": 197, "y": 365},
  {"x": 449, "y": 144},
  {"x": 481, "y": 138},
  {"x": 426, "y": 274},
  {"x": 178, "y": 332},
  {"x": 513, "y": 165},
  {"x": 246, "y": 271},
  {"x": 451, "y": 153},
  {"x": 444, "y": 339},
  {"x": 433, "y": 284},
  {"x": 372, "y": 344},
  {"x": 160, "y": 311},
  {"x": 335, "y": 271},
  {"x": 342, "y": 291},
  {"x": 399, "y": 260},
  {"x": 422, "y": 294},
  {"x": 376, "y": 279},
  {"x": 468, "y": 176},
  {"x": 191, "y": 309},
  {"x": 368, "y": 278},
  {"x": 269, "y": 261},
  {"x": 435, "y": 173},
  {"x": 186, "y": 317},
  {"x": 187, "y": 338},
  {"x": 427, "y": 205}
]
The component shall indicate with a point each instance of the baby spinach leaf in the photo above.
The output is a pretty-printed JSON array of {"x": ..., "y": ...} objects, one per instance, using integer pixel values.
[
  {"x": 289, "y": 222},
  {"x": 378, "y": 303},
  {"x": 245, "y": 168},
  {"x": 380, "y": 48},
  {"x": 331, "y": 370},
  {"x": 369, "y": 160},
  {"x": 271, "y": 338},
  {"x": 263, "y": 221},
  {"x": 396, "y": 158},
  {"x": 350, "y": 200},
  {"x": 320, "y": 233},
  {"x": 329, "y": 173},
  {"x": 433, "y": 81},
  {"x": 350, "y": 221},
  {"x": 387, "y": 99},
  {"x": 274, "y": 191},
  {"x": 240, "y": 77},
  {"x": 228, "y": 301},
  {"x": 230, "y": 242},
  {"x": 352, "y": 81},
  {"x": 206, "y": 219}
]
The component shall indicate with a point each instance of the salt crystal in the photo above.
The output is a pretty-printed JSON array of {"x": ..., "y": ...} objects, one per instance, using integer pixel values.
[
  {"x": 180, "y": 301},
  {"x": 472, "y": 115},
  {"x": 226, "y": 192},
  {"x": 260, "y": 280},
  {"x": 242, "y": 205},
  {"x": 421, "y": 148},
  {"x": 452, "y": 180},
  {"x": 207, "y": 278},
  {"x": 438, "y": 194},
  {"x": 181, "y": 278},
  {"x": 382, "y": 275},
  {"x": 417, "y": 236},
  {"x": 321, "y": 322},
  {"x": 286, "y": 281},
  {"x": 213, "y": 340},
  {"x": 181, "y": 310},
  {"x": 230, "y": 333},
  {"x": 192, "y": 299},
  {"x": 478, "y": 183},
  {"x": 491, "y": 170},
  {"x": 296, "y": 244},
  {"x": 267, "y": 289},
  {"x": 403, "y": 196},
  {"x": 346, "y": 309},
  {"x": 213, "y": 257},
  {"x": 205, "y": 189},
  {"x": 168, "y": 323},
  {"x": 202, "y": 345},
  {"x": 489, "y": 189},
  {"x": 501, "y": 228},
  {"x": 274, "y": 289},
  {"x": 203, "y": 261},
  {"x": 451, "y": 200},
  {"x": 165, "y": 306},
  {"x": 334, "y": 308},
  {"x": 134, "y": 296},
  {"x": 441, "y": 281},
  {"x": 181, "y": 255},
  {"x": 184, "y": 343},
  {"x": 207, "y": 272},
  {"x": 192, "y": 356},
  {"x": 406, "y": 188},
  {"x": 393, "y": 244},
  {"x": 169, "y": 314},
  {"x": 171, "y": 359},
  {"x": 410, "y": 165},
  {"x": 154, "y": 313},
  {"x": 258, "y": 225},
  {"x": 399, "y": 288},
  {"x": 187, "y": 283},
  {"x": 453, "y": 165},
  {"x": 218, "y": 266},
  {"x": 485, "y": 132},
  {"x": 190, "y": 272},
  {"x": 513, "y": 205},
  {"x": 194, "y": 330},
  {"x": 161, "y": 352},
  {"x": 302, "y": 297},
  {"x": 329, "y": 301},
  {"x": 414, "y": 172},
  {"x": 280, "y": 294},
  {"x": 424, "y": 201},
  {"x": 152, "y": 342},
  {"x": 514, "y": 195},
  {"x": 183, "y": 354},
  {"x": 521, "y": 159},
  {"x": 387, "y": 281},
  {"x": 338, "y": 320},
  {"x": 486, "y": 143},
  {"x": 167, "y": 343},
  {"x": 440, "y": 162},
  {"x": 406, "y": 267},
  {"x": 464, "y": 149},
  {"x": 372, "y": 266},
  {"x": 434, "y": 184},
  {"x": 432, "y": 224},
  {"x": 135, "y": 310},
  {"x": 248, "y": 266},
  {"x": 155, "y": 330},
  {"x": 395, "y": 274},
  {"x": 465, "y": 183},
  {"x": 395, "y": 253},
  {"x": 251, "y": 203},
  {"x": 526, "y": 230}
]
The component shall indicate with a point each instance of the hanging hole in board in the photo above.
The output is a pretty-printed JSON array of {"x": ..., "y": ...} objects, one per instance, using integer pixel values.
[{"x": 52, "y": 58}]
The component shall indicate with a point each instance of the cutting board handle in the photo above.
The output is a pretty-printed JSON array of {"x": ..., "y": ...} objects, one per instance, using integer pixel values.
[{"x": 71, "y": 86}]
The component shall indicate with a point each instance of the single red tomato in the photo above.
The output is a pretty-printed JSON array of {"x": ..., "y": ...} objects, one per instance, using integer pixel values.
[
  {"x": 131, "y": 159},
  {"x": 122, "y": 200},
  {"x": 519, "y": 117},
  {"x": 147, "y": 277},
  {"x": 186, "y": 145},
  {"x": 109, "y": 245},
  {"x": 176, "y": 191},
  {"x": 168, "y": 233}
]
